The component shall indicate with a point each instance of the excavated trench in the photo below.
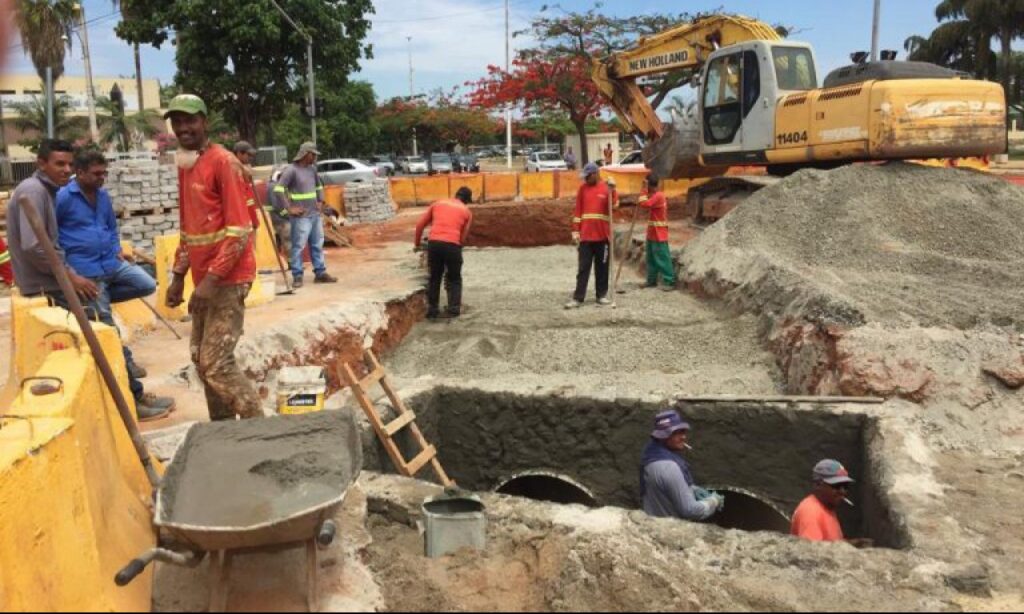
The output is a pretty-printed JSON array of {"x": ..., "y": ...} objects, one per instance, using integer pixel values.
[{"x": 584, "y": 451}]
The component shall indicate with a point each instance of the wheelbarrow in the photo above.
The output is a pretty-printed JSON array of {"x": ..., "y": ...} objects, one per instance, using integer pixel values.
[{"x": 249, "y": 509}]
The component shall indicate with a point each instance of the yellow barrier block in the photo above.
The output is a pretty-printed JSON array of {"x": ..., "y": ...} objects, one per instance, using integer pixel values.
[
  {"x": 567, "y": 184},
  {"x": 429, "y": 189},
  {"x": 501, "y": 186},
  {"x": 403, "y": 191},
  {"x": 133, "y": 317},
  {"x": 675, "y": 187},
  {"x": 627, "y": 182},
  {"x": 535, "y": 186},
  {"x": 473, "y": 181},
  {"x": 72, "y": 491},
  {"x": 334, "y": 197}
]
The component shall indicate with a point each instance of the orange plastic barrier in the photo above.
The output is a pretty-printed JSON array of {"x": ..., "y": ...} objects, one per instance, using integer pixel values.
[
  {"x": 429, "y": 189},
  {"x": 473, "y": 181},
  {"x": 501, "y": 186},
  {"x": 334, "y": 197},
  {"x": 535, "y": 186},
  {"x": 567, "y": 184},
  {"x": 403, "y": 191}
]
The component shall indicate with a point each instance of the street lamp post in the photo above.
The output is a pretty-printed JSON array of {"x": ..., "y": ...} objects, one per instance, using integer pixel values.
[
  {"x": 412, "y": 95},
  {"x": 508, "y": 109},
  {"x": 875, "y": 24},
  {"x": 90, "y": 95},
  {"x": 309, "y": 67}
]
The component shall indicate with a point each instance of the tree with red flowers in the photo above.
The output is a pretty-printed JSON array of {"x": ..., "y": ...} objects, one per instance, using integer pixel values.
[{"x": 539, "y": 84}]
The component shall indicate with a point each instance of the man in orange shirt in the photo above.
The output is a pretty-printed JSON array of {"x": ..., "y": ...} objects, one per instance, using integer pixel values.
[
  {"x": 592, "y": 234},
  {"x": 449, "y": 220},
  {"x": 815, "y": 518},
  {"x": 659, "y": 256},
  {"x": 215, "y": 245}
]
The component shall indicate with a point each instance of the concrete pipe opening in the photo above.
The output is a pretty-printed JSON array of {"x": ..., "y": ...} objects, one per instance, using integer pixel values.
[
  {"x": 547, "y": 486},
  {"x": 748, "y": 511}
]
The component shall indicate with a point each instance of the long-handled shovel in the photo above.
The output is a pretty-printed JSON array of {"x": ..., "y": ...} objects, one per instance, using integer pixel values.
[
  {"x": 629, "y": 245},
  {"x": 273, "y": 239}
]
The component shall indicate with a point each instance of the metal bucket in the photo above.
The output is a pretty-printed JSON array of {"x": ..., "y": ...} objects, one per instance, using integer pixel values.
[{"x": 451, "y": 523}]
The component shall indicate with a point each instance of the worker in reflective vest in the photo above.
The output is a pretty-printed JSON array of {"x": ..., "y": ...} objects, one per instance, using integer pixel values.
[
  {"x": 659, "y": 256},
  {"x": 300, "y": 187},
  {"x": 592, "y": 233}
]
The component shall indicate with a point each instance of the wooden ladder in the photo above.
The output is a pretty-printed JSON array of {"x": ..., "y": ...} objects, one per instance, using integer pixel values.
[{"x": 386, "y": 432}]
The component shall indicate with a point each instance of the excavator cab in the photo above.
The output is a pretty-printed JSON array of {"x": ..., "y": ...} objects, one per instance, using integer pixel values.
[{"x": 742, "y": 85}]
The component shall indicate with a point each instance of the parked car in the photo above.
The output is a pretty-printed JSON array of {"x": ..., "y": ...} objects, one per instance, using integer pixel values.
[
  {"x": 441, "y": 162},
  {"x": 545, "y": 161},
  {"x": 384, "y": 164},
  {"x": 466, "y": 163},
  {"x": 345, "y": 170},
  {"x": 412, "y": 165},
  {"x": 632, "y": 161}
]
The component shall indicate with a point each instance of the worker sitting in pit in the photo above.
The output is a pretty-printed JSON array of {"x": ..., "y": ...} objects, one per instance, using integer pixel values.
[
  {"x": 666, "y": 482},
  {"x": 815, "y": 518}
]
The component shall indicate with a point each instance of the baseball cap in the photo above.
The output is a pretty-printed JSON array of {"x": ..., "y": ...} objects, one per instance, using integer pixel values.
[
  {"x": 832, "y": 473},
  {"x": 243, "y": 147},
  {"x": 305, "y": 148},
  {"x": 668, "y": 422},
  {"x": 186, "y": 103},
  {"x": 590, "y": 169}
]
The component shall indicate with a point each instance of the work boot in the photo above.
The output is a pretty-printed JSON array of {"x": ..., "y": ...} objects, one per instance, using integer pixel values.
[
  {"x": 325, "y": 278},
  {"x": 648, "y": 286},
  {"x": 604, "y": 301},
  {"x": 136, "y": 371},
  {"x": 668, "y": 288},
  {"x": 454, "y": 312},
  {"x": 297, "y": 282},
  {"x": 573, "y": 304},
  {"x": 151, "y": 407}
]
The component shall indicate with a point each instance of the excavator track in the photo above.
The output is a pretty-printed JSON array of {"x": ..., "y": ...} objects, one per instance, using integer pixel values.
[{"x": 713, "y": 199}]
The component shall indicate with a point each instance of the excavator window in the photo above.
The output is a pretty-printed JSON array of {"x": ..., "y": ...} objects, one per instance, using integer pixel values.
[
  {"x": 722, "y": 109},
  {"x": 794, "y": 69},
  {"x": 751, "y": 81}
]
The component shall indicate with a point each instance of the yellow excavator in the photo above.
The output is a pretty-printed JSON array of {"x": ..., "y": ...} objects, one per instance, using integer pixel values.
[{"x": 759, "y": 105}]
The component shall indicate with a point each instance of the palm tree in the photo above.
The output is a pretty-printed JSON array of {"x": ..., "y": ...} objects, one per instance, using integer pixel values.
[
  {"x": 32, "y": 116},
  {"x": 45, "y": 27},
  {"x": 130, "y": 9},
  {"x": 1001, "y": 19},
  {"x": 123, "y": 130}
]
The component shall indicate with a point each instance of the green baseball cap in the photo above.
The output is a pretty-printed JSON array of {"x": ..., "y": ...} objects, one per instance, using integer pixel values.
[{"x": 186, "y": 103}]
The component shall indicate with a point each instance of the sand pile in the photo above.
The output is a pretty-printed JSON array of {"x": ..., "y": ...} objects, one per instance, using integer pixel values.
[{"x": 898, "y": 244}]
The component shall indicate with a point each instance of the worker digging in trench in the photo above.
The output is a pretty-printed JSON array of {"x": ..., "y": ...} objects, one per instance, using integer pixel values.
[
  {"x": 666, "y": 481},
  {"x": 216, "y": 247},
  {"x": 449, "y": 220}
]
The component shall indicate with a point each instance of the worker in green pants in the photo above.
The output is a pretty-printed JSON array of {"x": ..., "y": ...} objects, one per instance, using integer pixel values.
[{"x": 659, "y": 256}]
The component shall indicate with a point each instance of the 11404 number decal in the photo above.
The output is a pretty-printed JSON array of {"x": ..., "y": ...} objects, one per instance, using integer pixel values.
[{"x": 792, "y": 137}]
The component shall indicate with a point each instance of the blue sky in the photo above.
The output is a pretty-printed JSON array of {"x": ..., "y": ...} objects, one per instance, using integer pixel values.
[{"x": 453, "y": 41}]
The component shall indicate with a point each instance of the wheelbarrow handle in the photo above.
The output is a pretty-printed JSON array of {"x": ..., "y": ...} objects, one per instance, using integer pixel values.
[
  {"x": 327, "y": 532},
  {"x": 130, "y": 572}
]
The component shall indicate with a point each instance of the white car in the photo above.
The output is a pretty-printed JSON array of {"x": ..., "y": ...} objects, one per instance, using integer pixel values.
[
  {"x": 412, "y": 165},
  {"x": 632, "y": 161},
  {"x": 345, "y": 170},
  {"x": 545, "y": 161}
]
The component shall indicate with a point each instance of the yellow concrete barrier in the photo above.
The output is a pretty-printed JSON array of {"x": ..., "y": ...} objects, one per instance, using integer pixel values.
[
  {"x": 266, "y": 260},
  {"x": 429, "y": 189},
  {"x": 473, "y": 181},
  {"x": 501, "y": 186},
  {"x": 403, "y": 191},
  {"x": 334, "y": 197},
  {"x": 567, "y": 184},
  {"x": 72, "y": 492},
  {"x": 628, "y": 182},
  {"x": 675, "y": 187},
  {"x": 535, "y": 186}
]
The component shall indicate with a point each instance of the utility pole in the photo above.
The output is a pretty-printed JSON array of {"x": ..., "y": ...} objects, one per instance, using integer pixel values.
[
  {"x": 90, "y": 94},
  {"x": 49, "y": 102},
  {"x": 874, "y": 30},
  {"x": 508, "y": 109},
  {"x": 412, "y": 94},
  {"x": 309, "y": 67}
]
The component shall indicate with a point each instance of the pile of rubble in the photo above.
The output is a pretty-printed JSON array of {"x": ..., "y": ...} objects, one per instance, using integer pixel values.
[
  {"x": 145, "y": 195},
  {"x": 369, "y": 202}
]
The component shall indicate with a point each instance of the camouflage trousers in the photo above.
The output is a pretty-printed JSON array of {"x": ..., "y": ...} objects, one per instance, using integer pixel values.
[{"x": 216, "y": 327}]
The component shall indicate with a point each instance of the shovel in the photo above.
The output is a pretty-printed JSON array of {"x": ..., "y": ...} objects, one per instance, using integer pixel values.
[
  {"x": 629, "y": 243},
  {"x": 273, "y": 239}
]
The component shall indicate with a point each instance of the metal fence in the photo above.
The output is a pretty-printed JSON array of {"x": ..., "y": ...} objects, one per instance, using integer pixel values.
[{"x": 272, "y": 156}]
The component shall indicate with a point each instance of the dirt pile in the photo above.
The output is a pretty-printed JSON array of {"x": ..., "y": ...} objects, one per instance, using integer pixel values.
[
  {"x": 237, "y": 474},
  {"x": 894, "y": 280}
]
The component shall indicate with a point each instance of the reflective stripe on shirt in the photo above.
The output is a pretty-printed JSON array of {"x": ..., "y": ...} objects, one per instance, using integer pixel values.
[{"x": 5, "y": 257}]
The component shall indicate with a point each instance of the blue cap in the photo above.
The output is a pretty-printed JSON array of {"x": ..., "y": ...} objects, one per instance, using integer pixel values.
[
  {"x": 590, "y": 169},
  {"x": 668, "y": 422},
  {"x": 831, "y": 472}
]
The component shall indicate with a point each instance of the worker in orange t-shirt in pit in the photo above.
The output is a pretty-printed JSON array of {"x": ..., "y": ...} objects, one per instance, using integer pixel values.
[
  {"x": 449, "y": 220},
  {"x": 815, "y": 518}
]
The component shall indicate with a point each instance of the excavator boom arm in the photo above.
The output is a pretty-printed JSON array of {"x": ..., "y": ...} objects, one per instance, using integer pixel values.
[{"x": 683, "y": 47}]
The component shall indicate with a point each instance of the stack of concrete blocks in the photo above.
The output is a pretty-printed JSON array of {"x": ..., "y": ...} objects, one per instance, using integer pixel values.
[
  {"x": 369, "y": 202},
  {"x": 145, "y": 195}
]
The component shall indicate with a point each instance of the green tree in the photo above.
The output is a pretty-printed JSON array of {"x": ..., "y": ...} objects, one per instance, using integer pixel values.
[
  {"x": 31, "y": 116},
  {"x": 45, "y": 27},
  {"x": 243, "y": 57}
]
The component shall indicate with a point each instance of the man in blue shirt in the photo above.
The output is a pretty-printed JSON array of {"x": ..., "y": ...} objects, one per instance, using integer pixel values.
[
  {"x": 87, "y": 232},
  {"x": 666, "y": 481}
]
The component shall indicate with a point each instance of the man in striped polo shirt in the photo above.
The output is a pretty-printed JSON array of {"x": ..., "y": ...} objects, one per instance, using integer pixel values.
[{"x": 300, "y": 188}]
